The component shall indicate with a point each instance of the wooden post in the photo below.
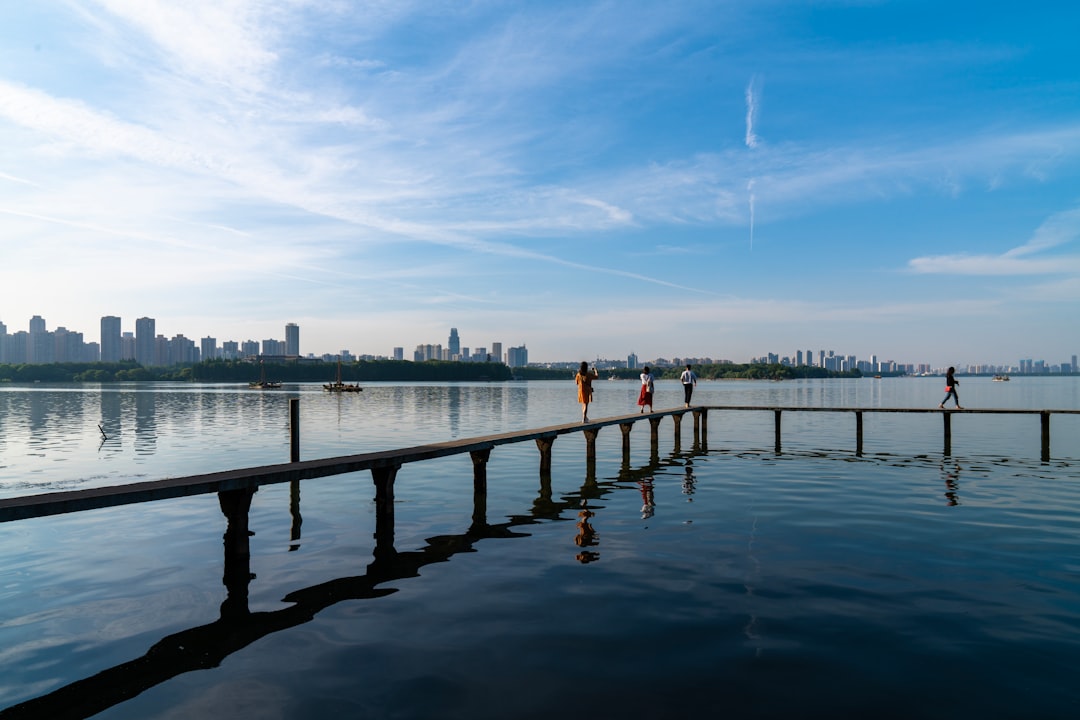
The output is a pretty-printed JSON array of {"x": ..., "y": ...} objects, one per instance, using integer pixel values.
[
  {"x": 1044, "y": 419},
  {"x": 776, "y": 422},
  {"x": 543, "y": 444},
  {"x": 294, "y": 512},
  {"x": 479, "y": 462},
  {"x": 590, "y": 443},
  {"x": 677, "y": 417},
  {"x": 948, "y": 432},
  {"x": 383, "y": 477},
  {"x": 626, "y": 428},
  {"x": 858, "y": 433},
  {"x": 654, "y": 430},
  {"x": 235, "y": 505},
  {"x": 294, "y": 429}
]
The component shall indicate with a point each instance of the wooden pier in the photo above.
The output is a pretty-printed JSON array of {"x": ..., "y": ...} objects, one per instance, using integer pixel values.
[{"x": 384, "y": 464}]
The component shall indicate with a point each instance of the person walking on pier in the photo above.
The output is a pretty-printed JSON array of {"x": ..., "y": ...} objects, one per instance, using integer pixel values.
[
  {"x": 950, "y": 389},
  {"x": 584, "y": 379},
  {"x": 689, "y": 381},
  {"x": 645, "y": 396}
]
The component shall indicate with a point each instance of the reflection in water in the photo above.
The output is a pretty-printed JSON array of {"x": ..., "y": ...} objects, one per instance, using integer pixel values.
[
  {"x": 648, "y": 499},
  {"x": 689, "y": 482},
  {"x": 950, "y": 472},
  {"x": 145, "y": 423},
  {"x": 586, "y": 535}
]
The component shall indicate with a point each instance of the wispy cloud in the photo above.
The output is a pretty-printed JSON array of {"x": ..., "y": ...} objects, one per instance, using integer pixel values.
[{"x": 1059, "y": 229}]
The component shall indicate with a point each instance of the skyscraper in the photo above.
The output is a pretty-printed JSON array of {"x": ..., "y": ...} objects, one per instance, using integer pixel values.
[
  {"x": 40, "y": 346},
  {"x": 110, "y": 339},
  {"x": 292, "y": 339},
  {"x": 145, "y": 338},
  {"x": 454, "y": 343}
]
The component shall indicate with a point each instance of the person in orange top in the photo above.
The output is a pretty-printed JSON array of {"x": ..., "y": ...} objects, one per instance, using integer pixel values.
[{"x": 584, "y": 379}]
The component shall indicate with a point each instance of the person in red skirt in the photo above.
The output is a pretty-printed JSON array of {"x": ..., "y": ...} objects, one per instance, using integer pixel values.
[{"x": 645, "y": 396}]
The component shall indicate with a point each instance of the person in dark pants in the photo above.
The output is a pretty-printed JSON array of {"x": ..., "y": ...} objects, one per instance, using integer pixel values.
[
  {"x": 689, "y": 380},
  {"x": 950, "y": 389}
]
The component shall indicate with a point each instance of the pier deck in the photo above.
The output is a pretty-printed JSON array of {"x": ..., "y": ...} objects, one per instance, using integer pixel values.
[{"x": 384, "y": 463}]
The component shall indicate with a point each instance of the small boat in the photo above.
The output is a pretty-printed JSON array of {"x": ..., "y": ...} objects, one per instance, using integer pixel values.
[
  {"x": 877, "y": 377},
  {"x": 262, "y": 383},
  {"x": 341, "y": 387},
  {"x": 1001, "y": 378}
]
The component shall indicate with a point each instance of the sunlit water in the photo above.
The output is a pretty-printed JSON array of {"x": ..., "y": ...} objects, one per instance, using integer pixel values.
[{"x": 718, "y": 580}]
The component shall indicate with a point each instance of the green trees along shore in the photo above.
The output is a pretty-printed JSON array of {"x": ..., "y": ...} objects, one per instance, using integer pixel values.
[{"x": 236, "y": 371}]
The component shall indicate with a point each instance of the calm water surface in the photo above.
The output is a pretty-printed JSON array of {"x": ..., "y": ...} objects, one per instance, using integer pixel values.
[{"x": 717, "y": 577}]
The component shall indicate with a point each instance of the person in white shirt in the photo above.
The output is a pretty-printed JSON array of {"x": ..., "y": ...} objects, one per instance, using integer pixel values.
[{"x": 689, "y": 380}]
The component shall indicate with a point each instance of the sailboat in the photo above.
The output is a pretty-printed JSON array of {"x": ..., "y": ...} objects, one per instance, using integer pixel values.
[
  {"x": 341, "y": 387},
  {"x": 263, "y": 383}
]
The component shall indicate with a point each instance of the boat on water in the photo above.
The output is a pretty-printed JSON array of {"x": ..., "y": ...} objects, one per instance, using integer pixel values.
[
  {"x": 341, "y": 387},
  {"x": 1001, "y": 378},
  {"x": 262, "y": 383}
]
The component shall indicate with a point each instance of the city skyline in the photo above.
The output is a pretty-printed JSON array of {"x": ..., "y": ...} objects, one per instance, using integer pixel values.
[
  {"x": 148, "y": 347},
  {"x": 594, "y": 179}
]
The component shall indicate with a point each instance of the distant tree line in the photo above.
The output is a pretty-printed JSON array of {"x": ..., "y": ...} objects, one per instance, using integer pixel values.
[
  {"x": 726, "y": 371},
  {"x": 244, "y": 372}
]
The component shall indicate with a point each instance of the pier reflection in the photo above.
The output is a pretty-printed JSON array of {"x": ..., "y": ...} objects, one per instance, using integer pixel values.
[{"x": 207, "y": 646}]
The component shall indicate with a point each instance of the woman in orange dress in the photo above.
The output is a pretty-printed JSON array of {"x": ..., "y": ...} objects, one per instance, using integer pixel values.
[{"x": 584, "y": 379}]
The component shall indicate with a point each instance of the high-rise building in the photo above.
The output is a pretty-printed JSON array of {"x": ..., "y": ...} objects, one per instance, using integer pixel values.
[
  {"x": 208, "y": 348},
  {"x": 3, "y": 343},
  {"x": 632, "y": 361},
  {"x": 517, "y": 357},
  {"x": 292, "y": 339},
  {"x": 40, "y": 345},
  {"x": 145, "y": 341},
  {"x": 399, "y": 353},
  {"x": 496, "y": 352},
  {"x": 127, "y": 346},
  {"x": 454, "y": 343},
  {"x": 110, "y": 339}
]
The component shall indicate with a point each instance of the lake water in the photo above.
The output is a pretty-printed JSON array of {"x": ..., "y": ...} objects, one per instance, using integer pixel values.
[{"x": 717, "y": 578}]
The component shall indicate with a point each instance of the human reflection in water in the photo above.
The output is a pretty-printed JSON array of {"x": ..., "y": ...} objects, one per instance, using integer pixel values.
[
  {"x": 951, "y": 474},
  {"x": 586, "y": 535},
  {"x": 689, "y": 482},
  {"x": 648, "y": 500}
]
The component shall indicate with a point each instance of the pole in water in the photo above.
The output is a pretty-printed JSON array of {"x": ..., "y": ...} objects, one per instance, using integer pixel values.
[{"x": 102, "y": 430}]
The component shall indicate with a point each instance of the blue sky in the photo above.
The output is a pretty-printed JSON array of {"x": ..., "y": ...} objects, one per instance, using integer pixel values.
[{"x": 591, "y": 179}]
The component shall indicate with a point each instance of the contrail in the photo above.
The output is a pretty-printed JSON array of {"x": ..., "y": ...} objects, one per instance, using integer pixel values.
[{"x": 751, "y": 113}]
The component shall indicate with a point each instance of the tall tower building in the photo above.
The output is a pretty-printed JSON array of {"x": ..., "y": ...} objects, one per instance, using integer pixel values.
[
  {"x": 110, "y": 339},
  {"x": 40, "y": 346},
  {"x": 454, "y": 343},
  {"x": 145, "y": 341},
  {"x": 292, "y": 339},
  {"x": 496, "y": 352},
  {"x": 3, "y": 343}
]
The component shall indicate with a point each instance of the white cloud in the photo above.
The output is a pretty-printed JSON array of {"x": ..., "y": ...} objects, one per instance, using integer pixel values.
[{"x": 1059, "y": 229}]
